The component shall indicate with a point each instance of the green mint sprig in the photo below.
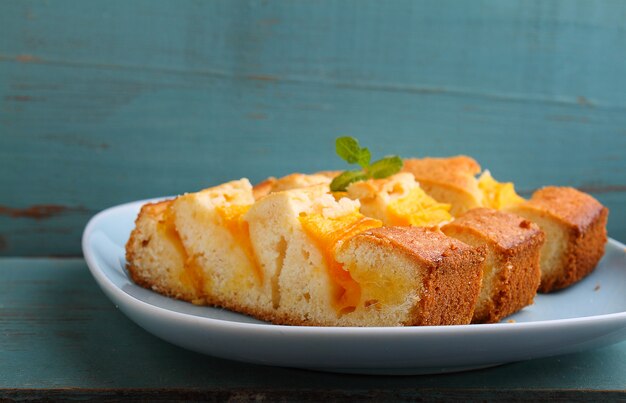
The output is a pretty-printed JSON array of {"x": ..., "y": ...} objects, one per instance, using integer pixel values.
[{"x": 348, "y": 149}]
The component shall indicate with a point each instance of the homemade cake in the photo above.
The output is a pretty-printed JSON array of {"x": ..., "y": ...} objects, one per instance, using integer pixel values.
[
  {"x": 215, "y": 235},
  {"x": 290, "y": 251},
  {"x": 285, "y": 253},
  {"x": 414, "y": 276},
  {"x": 167, "y": 250},
  {"x": 575, "y": 227},
  {"x": 332, "y": 271},
  {"x": 301, "y": 257},
  {"x": 511, "y": 272}
]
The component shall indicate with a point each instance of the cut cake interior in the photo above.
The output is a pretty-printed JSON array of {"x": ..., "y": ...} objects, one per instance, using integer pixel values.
[
  {"x": 575, "y": 227},
  {"x": 302, "y": 257},
  {"x": 157, "y": 258},
  {"x": 511, "y": 274}
]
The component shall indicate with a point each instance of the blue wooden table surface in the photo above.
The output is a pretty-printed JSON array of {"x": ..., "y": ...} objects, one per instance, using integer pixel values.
[
  {"x": 104, "y": 102},
  {"x": 60, "y": 336}
]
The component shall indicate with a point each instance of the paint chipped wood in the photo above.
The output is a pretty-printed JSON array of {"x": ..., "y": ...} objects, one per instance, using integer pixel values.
[
  {"x": 102, "y": 103},
  {"x": 38, "y": 211}
]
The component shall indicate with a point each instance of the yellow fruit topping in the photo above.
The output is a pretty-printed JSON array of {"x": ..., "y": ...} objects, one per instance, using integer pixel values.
[
  {"x": 232, "y": 220},
  {"x": 497, "y": 195},
  {"x": 418, "y": 209},
  {"x": 192, "y": 276},
  {"x": 327, "y": 234}
]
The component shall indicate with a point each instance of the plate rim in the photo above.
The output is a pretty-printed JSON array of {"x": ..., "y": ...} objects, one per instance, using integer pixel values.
[{"x": 109, "y": 286}]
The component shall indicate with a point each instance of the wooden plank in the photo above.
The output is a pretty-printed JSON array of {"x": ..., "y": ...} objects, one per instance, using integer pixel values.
[
  {"x": 307, "y": 395},
  {"x": 104, "y": 102},
  {"x": 60, "y": 337}
]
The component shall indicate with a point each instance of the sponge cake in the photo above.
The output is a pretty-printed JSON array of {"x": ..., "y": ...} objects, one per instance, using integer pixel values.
[
  {"x": 575, "y": 227},
  {"x": 511, "y": 273}
]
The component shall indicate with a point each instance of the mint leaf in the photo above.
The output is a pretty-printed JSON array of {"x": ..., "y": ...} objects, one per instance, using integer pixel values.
[
  {"x": 385, "y": 167},
  {"x": 364, "y": 158},
  {"x": 341, "y": 182},
  {"x": 348, "y": 148}
]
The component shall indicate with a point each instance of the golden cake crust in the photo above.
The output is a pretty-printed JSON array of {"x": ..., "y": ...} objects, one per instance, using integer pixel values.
[
  {"x": 428, "y": 245},
  {"x": 453, "y": 272},
  {"x": 570, "y": 206},
  {"x": 582, "y": 222},
  {"x": 514, "y": 246},
  {"x": 153, "y": 210},
  {"x": 501, "y": 230}
]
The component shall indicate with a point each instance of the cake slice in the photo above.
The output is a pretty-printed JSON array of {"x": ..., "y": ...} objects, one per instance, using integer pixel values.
[
  {"x": 285, "y": 251},
  {"x": 398, "y": 200},
  {"x": 329, "y": 265},
  {"x": 157, "y": 258},
  {"x": 412, "y": 276},
  {"x": 448, "y": 180},
  {"x": 215, "y": 235},
  {"x": 575, "y": 227},
  {"x": 511, "y": 274},
  {"x": 295, "y": 233},
  {"x": 196, "y": 248}
]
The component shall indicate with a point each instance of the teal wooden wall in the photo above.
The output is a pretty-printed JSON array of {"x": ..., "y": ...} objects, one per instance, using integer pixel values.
[{"x": 103, "y": 102}]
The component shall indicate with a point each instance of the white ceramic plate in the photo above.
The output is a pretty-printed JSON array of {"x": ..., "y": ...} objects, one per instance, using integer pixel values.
[{"x": 587, "y": 315}]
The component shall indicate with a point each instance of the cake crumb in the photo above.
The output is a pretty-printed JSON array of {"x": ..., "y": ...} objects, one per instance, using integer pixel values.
[
  {"x": 597, "y": 287},
  {"x": 510, "y": 321}
]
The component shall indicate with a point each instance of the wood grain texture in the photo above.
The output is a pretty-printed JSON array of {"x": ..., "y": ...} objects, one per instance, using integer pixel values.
[
  {"x": 103, "y": 102},
  {"x": 61, "y": 338}
]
